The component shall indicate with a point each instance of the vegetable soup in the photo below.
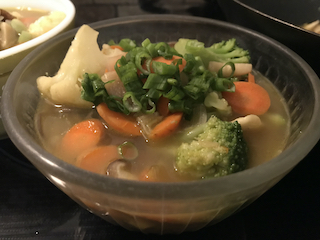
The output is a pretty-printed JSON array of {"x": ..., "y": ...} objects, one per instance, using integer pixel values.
[
  {"x": 159, "y": 112},
  {"x": 21, "y": 24}
]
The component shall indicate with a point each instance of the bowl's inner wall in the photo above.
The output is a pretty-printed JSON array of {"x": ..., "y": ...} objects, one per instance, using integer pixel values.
[{"x": 280, "y": 66}]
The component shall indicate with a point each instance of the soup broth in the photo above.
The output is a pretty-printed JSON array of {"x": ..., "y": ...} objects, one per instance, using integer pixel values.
[{"x": 53, "y": 121}]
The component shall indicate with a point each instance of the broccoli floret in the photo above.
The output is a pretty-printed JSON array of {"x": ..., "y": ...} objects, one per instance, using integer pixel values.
[
  {"x": 224, "y": 51},
  {"x": 218, "y": 150}
]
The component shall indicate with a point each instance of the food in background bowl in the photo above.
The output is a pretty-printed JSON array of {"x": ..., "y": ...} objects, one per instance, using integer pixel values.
[
  {"x": 10, "y": 57},
  {"x": 167, "y": 207},
  {"x": 19, "y": 25},
  {"x": 312, "y": 26},
  {"x": 151, "y": 112}
]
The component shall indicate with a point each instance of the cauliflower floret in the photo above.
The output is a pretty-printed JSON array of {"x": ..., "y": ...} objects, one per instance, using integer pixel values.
[
  {"x": 46, "y": 23},
  {"x": 83, "y": 56}
]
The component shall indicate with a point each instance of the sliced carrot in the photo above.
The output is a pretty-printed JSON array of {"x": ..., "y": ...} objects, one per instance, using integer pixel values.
[
  {"x": 116, "y": 46},
  {"x": 166, "y": 127},
  {"x": 163, "y": 106},
  {"x": 166, "y": 61},
  {"x": 97, "y": 159},
  {"x": 82, "y": 136},
  {"x": 251, "y": 78},
  {"x": 248, "y": 98},
  {"x": 169, "y": 61},
  {"x": 28, "y": 20},
  {"x": 120, "y": 122}
]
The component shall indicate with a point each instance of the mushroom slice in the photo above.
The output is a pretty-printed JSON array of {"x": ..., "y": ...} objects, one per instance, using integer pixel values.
[
  {"x": 120, "y": 169},
  {"x": 8, "y": 36},
  {"x": 6, "y": 15}
]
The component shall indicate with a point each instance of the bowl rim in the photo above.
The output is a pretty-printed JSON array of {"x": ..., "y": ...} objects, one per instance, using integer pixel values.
[
  {"x": 68, "y": 9},
  {"x": 126, "y": 188},
  {"x": 276, "y": 19}
]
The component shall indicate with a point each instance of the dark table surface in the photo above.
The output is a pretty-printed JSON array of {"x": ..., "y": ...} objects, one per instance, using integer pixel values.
[{"x": 33, "y": 208}]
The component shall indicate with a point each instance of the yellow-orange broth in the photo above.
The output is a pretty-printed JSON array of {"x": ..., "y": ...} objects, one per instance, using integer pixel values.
[{"x": 53, "y": 122}]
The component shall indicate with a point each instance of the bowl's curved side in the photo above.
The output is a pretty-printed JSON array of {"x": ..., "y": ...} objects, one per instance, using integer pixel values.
[{"x": 158, "y": 207}]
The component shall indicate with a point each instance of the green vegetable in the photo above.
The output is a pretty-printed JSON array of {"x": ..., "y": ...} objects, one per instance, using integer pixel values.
[
  {"x": 127, "y": 44},
  {"x": 18, "y": 26},
  {"x": 24, "y": 37},
  {"x": 165, "y": 80},
  {"x": 224, "y": 51},
  {"x": 128, "y": 151},
  {"x": 93, "y": 90},
  {"x": 218, "y": 150}
]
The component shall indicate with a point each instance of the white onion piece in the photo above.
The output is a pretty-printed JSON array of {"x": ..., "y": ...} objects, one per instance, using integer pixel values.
[
  {"x": 240, "y": 68},
  {"x": 116, "y": 87},
  {"x": 113, "y": 54},
  {"x": 249, "y": 122}
]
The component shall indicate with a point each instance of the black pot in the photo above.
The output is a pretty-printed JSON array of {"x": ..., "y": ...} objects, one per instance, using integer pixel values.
[{"x": 280, "y": 20}]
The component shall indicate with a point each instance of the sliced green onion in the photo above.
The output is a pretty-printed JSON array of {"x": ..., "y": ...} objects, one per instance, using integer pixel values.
[
  {"x": 125, "y": 68},
  {"x": 131, "y": 102},
  {"x": 128, "y": 151},
  {"x": 163, "y": 49},
  {"x": 146, "y": 42},
  {"x": 127, "y": 44},
  {"x": 224, "y": 85},
  {"x": 152, "y": 50},
  {"x": 153, "y": 94},
  {"x": 163, "y": 68},
  {"x": 175, "y": 94},
  {"x": 148, "y": 106},
  {"x": 233, "y": 68},
  {"x": 173, "y": 81},
  {"x": 114, "y": 104},
  {"x": 156, "y": 81},
  {"x": 151, "y": 107},
  {"x": 140, "y": 58},
  {"x": 111, "y": 42},
  {"x": 185, "y": 106}
]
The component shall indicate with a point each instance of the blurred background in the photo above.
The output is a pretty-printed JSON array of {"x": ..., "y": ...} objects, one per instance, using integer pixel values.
[{"x": 96, "y": 10}]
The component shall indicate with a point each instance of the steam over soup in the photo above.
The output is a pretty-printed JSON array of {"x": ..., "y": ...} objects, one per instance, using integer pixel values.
[
  {"x": 21, "y": 24},
  {"x": 153, "y": 112}
]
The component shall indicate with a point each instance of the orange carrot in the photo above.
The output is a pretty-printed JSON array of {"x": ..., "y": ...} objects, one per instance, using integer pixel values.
[
  {"x": 28, "y": 20},
  {"x": 116, "y": 46},
  {"x": 166, "y": 61},
  {"x": 166, "y": 126},
  {"x": 162, "y": 106},
  {"x": 82, "y": 136},
  {"x": 248, "y": 98},
  {"x": 97, "y": 159},
  {"x": 169, "y": 61},
  {"x": 118, "y": 121},
  {"x": 251, "y": 78}
]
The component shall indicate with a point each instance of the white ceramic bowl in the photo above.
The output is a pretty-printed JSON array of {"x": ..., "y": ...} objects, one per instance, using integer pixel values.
[{"x": 9, "y": 58}]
